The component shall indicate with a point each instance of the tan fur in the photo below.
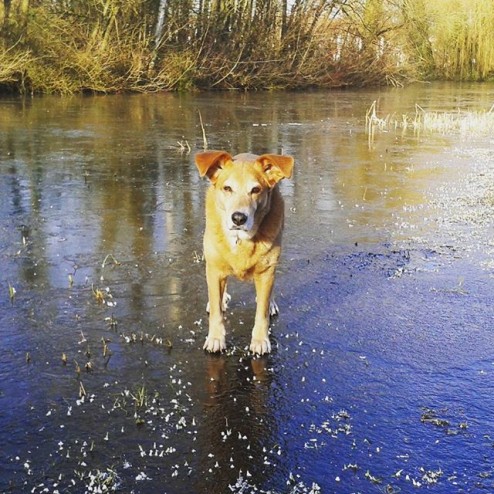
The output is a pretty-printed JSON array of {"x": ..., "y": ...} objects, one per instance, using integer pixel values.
[{"x": 244, "y": 225}]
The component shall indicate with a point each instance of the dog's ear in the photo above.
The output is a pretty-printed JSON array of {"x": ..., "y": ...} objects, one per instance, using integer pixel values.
[
  {"x": 276, "y": 167},
  {"x": 210, "y": 163}
]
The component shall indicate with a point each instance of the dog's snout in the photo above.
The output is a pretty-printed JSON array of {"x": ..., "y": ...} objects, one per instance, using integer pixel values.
[{"x": 239, "y": 218}]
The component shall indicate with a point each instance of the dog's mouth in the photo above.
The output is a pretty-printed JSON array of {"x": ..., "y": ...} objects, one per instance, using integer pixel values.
[
  {"x": 240, "y": 233},
  {"x": 240, "y": 229}
]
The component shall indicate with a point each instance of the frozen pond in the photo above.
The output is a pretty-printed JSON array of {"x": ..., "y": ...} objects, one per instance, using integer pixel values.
[{"x": 382, "y": 372}]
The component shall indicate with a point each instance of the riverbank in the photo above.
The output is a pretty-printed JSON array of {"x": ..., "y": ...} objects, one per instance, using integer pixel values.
[{"x": 111, "y": 47}]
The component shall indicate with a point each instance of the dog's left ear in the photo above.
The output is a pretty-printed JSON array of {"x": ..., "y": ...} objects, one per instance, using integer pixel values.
[
  {"x": 210, "y": 163},
  {"x": 276, "y": 167}
]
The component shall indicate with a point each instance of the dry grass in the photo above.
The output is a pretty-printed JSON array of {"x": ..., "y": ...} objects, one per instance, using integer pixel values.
[
  {"x": 12, "y": 66},
  {"x": 110, "y": 46},
  {"x": 107, "y": 46}
]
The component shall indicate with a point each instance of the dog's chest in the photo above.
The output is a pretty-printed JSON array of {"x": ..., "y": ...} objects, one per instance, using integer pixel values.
[{"x": 245, "y": 258}]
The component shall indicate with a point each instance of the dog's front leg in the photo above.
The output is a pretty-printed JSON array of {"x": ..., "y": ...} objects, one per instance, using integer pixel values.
[
  {"x": 215, "y": 342},
  {"x": 264, "y": 282}
]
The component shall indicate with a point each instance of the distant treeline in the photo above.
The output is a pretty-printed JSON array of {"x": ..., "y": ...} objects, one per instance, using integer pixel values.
[{"x": 71, "y": 46}]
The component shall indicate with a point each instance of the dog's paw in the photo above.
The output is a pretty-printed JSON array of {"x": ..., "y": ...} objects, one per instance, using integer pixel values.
[
  {"x": 226, "y": 300},
  {"x": 274, "y": 310},
  {"x": 214, "y": 345},
  {"x": 260, "y": 347}
]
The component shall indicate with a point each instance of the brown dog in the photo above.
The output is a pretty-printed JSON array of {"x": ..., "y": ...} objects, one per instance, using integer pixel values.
[{"x": 244, "y": 224}]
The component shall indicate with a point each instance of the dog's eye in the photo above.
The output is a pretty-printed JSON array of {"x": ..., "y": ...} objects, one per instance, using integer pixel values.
[
  {"x": 255, "y": 190},
  {"x": 227, "y": 188}
]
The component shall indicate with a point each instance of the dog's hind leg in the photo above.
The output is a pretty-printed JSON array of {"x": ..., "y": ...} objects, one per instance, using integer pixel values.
[
  {"x": 274, "y": 310},
  {"x": 226, "y": 300}
]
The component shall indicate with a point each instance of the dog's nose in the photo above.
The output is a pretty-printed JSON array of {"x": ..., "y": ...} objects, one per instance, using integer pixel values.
[{"x": 239, "y": 218}]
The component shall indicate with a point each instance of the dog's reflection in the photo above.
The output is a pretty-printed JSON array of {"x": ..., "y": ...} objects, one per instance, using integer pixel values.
[
  {"x": 239, "y": 423},
  {"x": 218, "y": 379}
]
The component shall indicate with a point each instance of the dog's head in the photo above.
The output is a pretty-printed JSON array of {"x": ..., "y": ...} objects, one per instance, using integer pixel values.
[{"x": 243, "y": 186}]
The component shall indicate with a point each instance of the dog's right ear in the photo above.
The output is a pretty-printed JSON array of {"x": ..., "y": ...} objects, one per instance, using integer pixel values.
[{"x": 210, "y": 163}]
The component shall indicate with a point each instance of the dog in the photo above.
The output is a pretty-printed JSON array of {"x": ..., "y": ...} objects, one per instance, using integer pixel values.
[{"x": 244, "y": 226}]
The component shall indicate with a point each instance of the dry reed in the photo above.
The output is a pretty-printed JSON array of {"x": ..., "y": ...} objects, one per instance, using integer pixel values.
[{"x": 457, "y": 122}]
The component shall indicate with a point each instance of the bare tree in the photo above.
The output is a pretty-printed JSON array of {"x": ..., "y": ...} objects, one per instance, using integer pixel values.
[
  {"x": 6, "y": 11},
  {"x": 160, "y": 24}
]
